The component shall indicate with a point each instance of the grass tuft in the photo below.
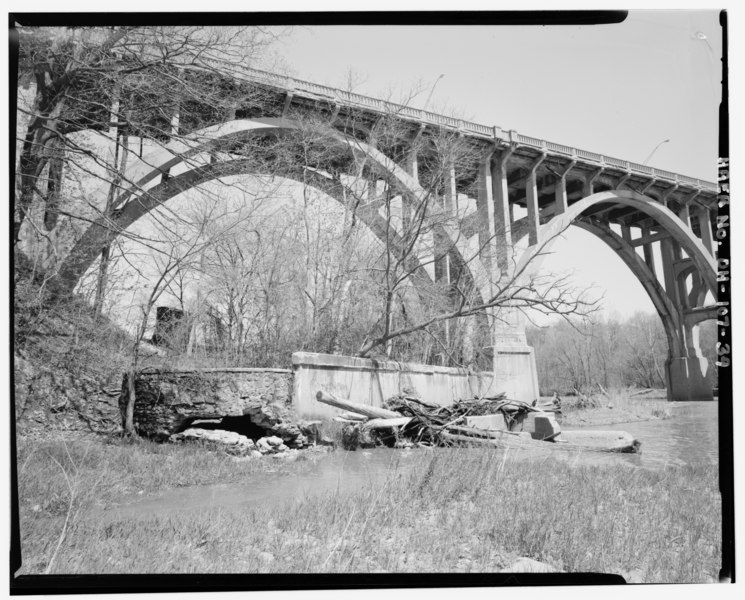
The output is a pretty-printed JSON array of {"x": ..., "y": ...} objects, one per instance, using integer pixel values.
[{"x": 468, "y": 510}]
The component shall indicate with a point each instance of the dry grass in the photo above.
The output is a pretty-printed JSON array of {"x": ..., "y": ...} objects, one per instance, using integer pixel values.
[{"x": 455, "y": 510}]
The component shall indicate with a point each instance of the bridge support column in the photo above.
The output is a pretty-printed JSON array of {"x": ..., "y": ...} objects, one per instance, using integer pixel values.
[
  {"x": 704, "y": 220},
  {"x": 502, "y": 212},
  {"x": 688, "y": 378},
  {"x": 531, "y": 193},
  {"x": 515, "y": 371}
]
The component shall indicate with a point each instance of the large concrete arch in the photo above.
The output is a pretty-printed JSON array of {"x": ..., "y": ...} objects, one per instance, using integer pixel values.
[
  {"x": 148, "y": 184},
  {"x": 688, "y": 375}
]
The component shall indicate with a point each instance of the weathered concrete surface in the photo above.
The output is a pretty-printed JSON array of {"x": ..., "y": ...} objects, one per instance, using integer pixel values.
[
  {"x": 545, "y": 426},
  {"x": 491, "y": 422},
  {"x": 371, "y": 382},
  {"x": 618, "y": 441},
  {"x": 515, "y": 371},
  {"x": 539, "y": 425},
  {"x": 689, "y": 379},
  {"x": 167, "y": 401}
]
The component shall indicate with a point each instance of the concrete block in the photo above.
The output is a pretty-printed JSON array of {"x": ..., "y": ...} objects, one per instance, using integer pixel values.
[
  {"x": 545, "y": 426},
  {"x": 487, "y": 422}
]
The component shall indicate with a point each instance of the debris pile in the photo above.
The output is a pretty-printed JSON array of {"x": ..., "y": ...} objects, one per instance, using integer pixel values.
[
  {"x": 494, "y": 421},
  {"x": 409, "y": 420}
]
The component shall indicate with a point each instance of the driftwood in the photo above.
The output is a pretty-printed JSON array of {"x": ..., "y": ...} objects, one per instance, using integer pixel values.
[
  {"x": 371, "y": 412},
  {"x": 352, "y": 416},
  {"x": 386, "y": 423},
  {"x": 440, "y": 425},
  {"x": 350, "y": 421},
  {"x": 483, "y": 433},
  {"x": 642, "y": 392}
]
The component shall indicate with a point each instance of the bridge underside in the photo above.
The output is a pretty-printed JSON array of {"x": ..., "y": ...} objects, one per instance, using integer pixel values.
[{"x": 501, "y": 188}]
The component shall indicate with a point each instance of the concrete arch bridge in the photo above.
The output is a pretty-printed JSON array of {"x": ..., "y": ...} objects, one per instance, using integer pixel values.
[{"x": 502, "y": 187}]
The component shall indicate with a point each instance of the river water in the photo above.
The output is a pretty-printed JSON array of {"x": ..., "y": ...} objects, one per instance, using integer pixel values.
[{"x": 689, "y": 437}]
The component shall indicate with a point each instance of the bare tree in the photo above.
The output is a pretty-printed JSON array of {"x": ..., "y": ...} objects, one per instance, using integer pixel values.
[{"x": 91, "y": 99}]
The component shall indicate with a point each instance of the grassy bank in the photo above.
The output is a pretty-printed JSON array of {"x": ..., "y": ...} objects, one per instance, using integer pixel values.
[
  {"x": 457, "y": 510},
  {"x": 617, "y": 406}
]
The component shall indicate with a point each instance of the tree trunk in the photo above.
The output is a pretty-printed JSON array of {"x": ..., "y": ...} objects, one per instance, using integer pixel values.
[
  {"x": 371, "y": 412},
  {"x": 129, "y": 411}
]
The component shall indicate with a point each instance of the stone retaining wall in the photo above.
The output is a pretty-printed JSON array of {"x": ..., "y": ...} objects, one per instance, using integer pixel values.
[
  {"x": 276, "y": 399},
  {"x": 169, "y": 400}
]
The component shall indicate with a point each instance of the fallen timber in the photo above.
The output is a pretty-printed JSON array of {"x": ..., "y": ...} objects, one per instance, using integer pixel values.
[{"x": 491, "y": 421}]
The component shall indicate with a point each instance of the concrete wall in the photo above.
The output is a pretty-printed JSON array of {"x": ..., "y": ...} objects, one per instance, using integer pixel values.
[
  {"x": 371, "y": 382},
  {"x": 517, "y": 375}
]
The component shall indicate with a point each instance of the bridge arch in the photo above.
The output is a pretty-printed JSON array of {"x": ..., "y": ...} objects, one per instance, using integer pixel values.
[
  {"x": 687, "y": 372},
  {"x": 151, "y": 185}
]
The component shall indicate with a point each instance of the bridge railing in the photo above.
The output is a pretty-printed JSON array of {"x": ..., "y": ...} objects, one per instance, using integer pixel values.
[{"x": 299, "y": 86}]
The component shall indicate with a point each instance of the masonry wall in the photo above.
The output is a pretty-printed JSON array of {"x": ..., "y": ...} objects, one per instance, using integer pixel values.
[
  {"x": 370, "y": 382},
  {"x": 168, "y": 399}
]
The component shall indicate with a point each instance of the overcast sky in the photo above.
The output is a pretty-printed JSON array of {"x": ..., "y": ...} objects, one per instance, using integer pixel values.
[{"x": 615, "y": 89}]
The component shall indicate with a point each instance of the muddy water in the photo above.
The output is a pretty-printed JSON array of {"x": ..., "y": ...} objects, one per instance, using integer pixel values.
[
  {"x": 689, "y": 437},
  {"x": 339, "y": 470}
]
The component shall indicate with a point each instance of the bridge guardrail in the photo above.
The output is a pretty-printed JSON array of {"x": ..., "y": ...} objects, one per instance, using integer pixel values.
[{"x": 351, "y": 98}]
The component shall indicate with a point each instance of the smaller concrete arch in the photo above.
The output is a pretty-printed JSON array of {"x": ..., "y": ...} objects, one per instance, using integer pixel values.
[
  {"x": 703, "y": 261},
  {"x": 687, "y": 373}
]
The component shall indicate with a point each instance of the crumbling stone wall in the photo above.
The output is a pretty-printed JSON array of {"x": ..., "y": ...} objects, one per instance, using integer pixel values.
[
  {"x": 168, "y": 401},
  {"x": 48, "y": 397}
]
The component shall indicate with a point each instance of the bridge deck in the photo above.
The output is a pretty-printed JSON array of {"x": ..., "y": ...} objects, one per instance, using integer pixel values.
[{"x": 492, "y": 134}]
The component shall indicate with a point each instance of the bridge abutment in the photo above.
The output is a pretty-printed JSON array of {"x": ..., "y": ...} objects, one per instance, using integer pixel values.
[{"x": 515, "y": 369}]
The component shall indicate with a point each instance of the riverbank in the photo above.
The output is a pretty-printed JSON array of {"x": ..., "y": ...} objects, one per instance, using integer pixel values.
[
  {"x": 617, "y": 406},
  {"x": 451, "y": 510}
]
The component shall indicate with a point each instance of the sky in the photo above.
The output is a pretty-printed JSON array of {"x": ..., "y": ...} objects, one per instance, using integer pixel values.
[{"x": 619, "y": 90}]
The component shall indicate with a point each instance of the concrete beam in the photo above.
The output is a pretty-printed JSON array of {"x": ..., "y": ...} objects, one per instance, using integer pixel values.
[
  {"x": 560, "y": 192},
  {"x": 623, "y": 180},
  {"x": 667, "y": 193},
  {"x": 412, "y": 158},
  {"x": 667, "y": 251},
  {"x": 685, "y": 215},
  {"x": 603, "y": 211},
  {"x": 502, "y": 212},
  {"x": 648, "y": 253},
  {"x": 335, "y": 113},
  {"x": 626, "y": 233},
  {"x": 288, "y": 102},
  {"x": 589, "y": 187},
  {"x": 531, "y": 190},
  {"x": 451, "y": 191},
  {"x": 704, "y": 220},
  {"x": 649, "y": 239},
  {"x": 485, "y": 210},
  {"x": 700, "y": 313},
  {"x": 648, "y": 187}
]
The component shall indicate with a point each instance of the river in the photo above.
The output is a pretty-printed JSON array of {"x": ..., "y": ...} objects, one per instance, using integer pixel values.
[{"x": 690, "y": 436}]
